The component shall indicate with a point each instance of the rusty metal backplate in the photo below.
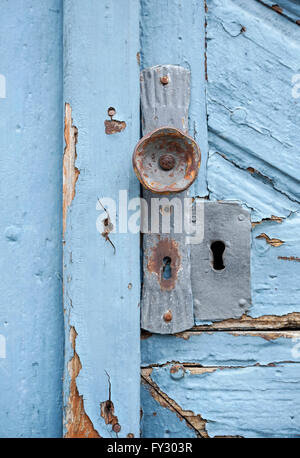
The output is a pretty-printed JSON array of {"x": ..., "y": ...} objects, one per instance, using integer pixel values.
[
  {"x": 167, "y": 301},
  {"x": 220, "y": 265}
]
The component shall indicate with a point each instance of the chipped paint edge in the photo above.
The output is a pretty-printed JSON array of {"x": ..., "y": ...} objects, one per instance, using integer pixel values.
[{"x": 70, "y": 171}]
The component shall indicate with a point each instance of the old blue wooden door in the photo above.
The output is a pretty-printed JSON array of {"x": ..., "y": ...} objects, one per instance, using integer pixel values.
[
  {"x": 236, "y": 377},
  {"x": 73, "y": 65}
]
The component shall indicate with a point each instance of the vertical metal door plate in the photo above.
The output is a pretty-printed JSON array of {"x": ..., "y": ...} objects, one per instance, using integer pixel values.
[
  {"x": 167, "y": 303},
  {"x": 221, "y": 293}
]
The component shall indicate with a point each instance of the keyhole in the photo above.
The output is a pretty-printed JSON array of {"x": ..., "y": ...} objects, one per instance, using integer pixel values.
[
  {"x": 218, "y": 249},
  {"x": 167, "y": 269}
]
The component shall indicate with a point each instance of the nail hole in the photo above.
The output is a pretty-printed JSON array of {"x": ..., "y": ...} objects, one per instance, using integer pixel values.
[
  {"x": 111, "y": 111},
  {"x": 217, "y": 249},
  {"x": 167, "y": 270}
]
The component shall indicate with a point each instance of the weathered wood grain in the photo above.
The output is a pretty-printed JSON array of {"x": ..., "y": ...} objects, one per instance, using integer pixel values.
[
  {"x": 223, "y": 385},
  {"x": 253, "y": 142},
  {"x": 234, "y": 348}
]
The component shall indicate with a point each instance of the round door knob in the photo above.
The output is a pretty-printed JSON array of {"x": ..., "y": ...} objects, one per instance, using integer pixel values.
[{"x": 166, "y": 160}]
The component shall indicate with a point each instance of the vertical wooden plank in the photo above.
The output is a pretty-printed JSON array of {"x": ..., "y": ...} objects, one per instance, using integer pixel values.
[
  {"x": 31, "y": 318},
  {"x": 173, "y": 32},
  {"x": 101, "y": 279}
]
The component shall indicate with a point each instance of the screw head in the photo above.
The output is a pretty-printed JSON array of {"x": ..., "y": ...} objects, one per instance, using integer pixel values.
[
  {"x": 164, "y": 80},
  {"x": 242, "y": 302},
  {"x": 116, "y": 428},
  {"x": 168, "y": 316},
  {"x": 167, "y": 161},
  {"x": 177, "y": 372}
]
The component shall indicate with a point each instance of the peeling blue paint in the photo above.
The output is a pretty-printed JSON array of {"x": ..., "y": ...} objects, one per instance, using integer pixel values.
[
  {"x": 253, "y": 118},
  {"x": 290, "y": 8},
  {"x": 226, "y": 181},
  {"x": 275, "y": 288},
  {"x": 247, "y": 402},
  {"x": 220, "y": 349}
]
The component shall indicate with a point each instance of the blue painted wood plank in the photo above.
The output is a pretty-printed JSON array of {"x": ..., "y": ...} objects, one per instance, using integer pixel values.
[
  {"x": 232, "y": 382},
  {"x": 102, "y": 285},
  {"x": 241, "y": 401},
  {"x": 173, "y": 32},
  {"x": 252, "y": 114},
  {"x": 288, "y": 8},
  {"x": 31, "y": 318},
  {"x": 228, "y": 182},
  {"x": 275, "y": 269},
  {"x": 221, "y": 348},
  {"x": 253, "y": 138}
]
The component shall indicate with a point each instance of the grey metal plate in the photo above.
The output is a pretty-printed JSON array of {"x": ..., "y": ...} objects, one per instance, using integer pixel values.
[
  {"x": 222, "y": 294},
  {"x": 165, "y": 105}
]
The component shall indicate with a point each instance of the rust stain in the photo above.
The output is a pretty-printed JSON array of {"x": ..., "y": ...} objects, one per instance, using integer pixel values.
[
  {"x": 112, "y": 126},
  {"x": 107, "y": 411},
  {"x": 277, "y": 8},
  {"x": 175, "y": 368},
  {"x": 165, "y": 249},
  {"x": 273, "y": 242},
  {"x": 70, "y": 172},
  {"x": 192, "y": 420},
  {"x": 168, "y": 140},
  {"x": 289, "y": 258},
  {"x": 79, "y": 424},
  {"x": 164, "y": 80},
  {"x": 168, "y": 316}
]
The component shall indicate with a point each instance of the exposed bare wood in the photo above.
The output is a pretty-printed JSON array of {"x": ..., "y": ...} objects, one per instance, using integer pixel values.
[
  {"x": 78, "y": 424},
  {"x": 273, "y": 218},
  {"x": 273, "y": 242},
  {"x": 70, "y": 172},
  {"x": 289, "y": 321}
]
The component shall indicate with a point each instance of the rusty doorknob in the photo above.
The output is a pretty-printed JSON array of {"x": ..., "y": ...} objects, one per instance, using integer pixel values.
[{"x": 166, "y": 160}]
